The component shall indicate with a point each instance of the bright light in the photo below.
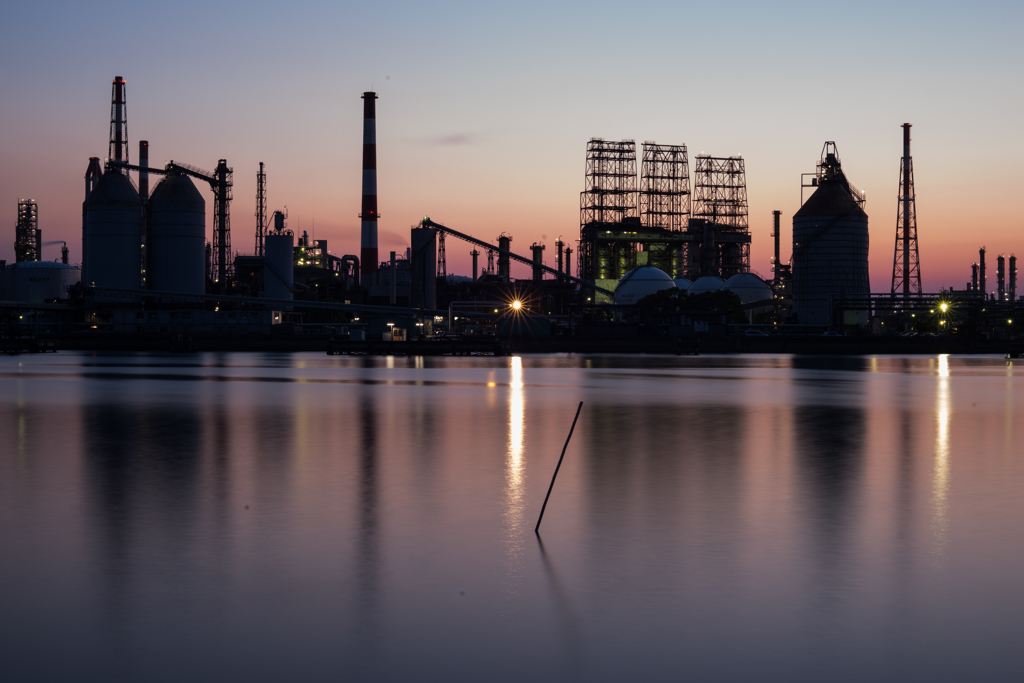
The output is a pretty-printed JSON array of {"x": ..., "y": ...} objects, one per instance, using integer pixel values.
[
  {"x": 943, "y": 306},
  {"x": 516, "y": 305}
]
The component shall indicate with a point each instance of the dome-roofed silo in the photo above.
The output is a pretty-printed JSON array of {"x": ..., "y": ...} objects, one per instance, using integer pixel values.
[
  {"x": 830, "y": 244},
  {"x": 177, "y": 247},
  {"x": 708, "y": 283},
  {"x": 641, "y": 282},
  {"x": 683, "y": 283},
  {"x": 113, "y": 234}
]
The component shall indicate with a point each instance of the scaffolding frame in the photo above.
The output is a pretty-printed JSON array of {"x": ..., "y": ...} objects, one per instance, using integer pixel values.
[
  {"x": 720, "y": 217},
  {"x": 27, "y": 238},
  {"x": 609, "y": 195},
  {"x": 665, "y": 187}
]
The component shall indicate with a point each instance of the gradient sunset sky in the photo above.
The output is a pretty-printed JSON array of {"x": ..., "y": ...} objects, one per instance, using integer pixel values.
[{"x": 485, "y": 110}]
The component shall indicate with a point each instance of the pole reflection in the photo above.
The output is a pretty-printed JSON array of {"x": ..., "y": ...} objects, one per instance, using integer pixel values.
[{"x": 941, "y": 476}]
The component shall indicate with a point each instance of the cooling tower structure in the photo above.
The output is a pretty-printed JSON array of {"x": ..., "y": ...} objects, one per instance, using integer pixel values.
[
  {"x": 177, "y": 237},
  {"x": 111, "y": 245},
  {"x": 830, "y": 246},
  {"x": 369, "y": 215}
]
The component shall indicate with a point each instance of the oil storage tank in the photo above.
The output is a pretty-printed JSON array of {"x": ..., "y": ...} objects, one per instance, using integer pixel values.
[
  {"x": 177, "y": 233},
  {"x": 113, "y": 241},
  {"x": 830, "y": 246},
  {"x": 279, "y": 275},
  {"x": 37, "y": 282}
]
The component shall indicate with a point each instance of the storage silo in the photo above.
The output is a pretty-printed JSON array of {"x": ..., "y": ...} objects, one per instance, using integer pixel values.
[
  {"x": 279, "y": 274},
  {"x": 830, "y": 246},
  {"x": 641, "y": 282},
  {"x": 113, "y": 244},
  {"x": 177, "y": 221}
]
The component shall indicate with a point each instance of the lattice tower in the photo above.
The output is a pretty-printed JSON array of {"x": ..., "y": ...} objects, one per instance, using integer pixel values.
[
  {"x": 665, "y": 186},
  {"x": 118, "y": 123},
  {"x": 261, "y": 209},
  {"x": 222, "y": 265},
  {"x": 26, "y": 234},
  {"x": 720, "y": 197},
  {"x": 609, "y": 196},
  {"x": 906, "y": 265}
]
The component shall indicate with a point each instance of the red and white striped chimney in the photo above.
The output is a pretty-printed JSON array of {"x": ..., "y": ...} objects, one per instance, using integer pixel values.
[{"x": 368, "y": 253}]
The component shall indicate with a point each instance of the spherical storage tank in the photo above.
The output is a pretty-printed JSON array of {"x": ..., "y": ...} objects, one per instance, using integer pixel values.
[
  {"x": 640, "y": 282},
  {"x": 748, "y": 287},
  {"x": 112, "y": 244},
  {"x": 708, "y": 283},
  {"x": 36, "y": 282},
  {"x": 683, "y": 283},
  {"x": 279, "y": 274},
  {"x": 177, "y": 247},
  {"x": 830, "y": 247}
]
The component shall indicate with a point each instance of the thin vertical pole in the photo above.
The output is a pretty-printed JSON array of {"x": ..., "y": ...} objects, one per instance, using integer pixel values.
[{"x": 536, "y": 529}]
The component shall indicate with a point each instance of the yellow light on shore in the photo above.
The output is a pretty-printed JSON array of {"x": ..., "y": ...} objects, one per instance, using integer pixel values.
[{"x": 516, "y": 305}]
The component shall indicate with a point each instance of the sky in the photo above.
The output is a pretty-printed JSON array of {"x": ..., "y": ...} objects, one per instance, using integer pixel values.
[{"x": 485, "y": 109}]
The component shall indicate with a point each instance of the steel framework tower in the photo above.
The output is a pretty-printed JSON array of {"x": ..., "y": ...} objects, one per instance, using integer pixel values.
[
  {"x": 906, "y": 267},
  {"x": 665, "y": 186},
  {"x": 261, "y": 209},
  {"x": 27, "y": 236},
  {"x": 221, "y": 224},
  {"x": 442, "y": 260},
  {"x": 720, "y": 203},
  {"x": 609, "y": 196},
  {"x": 118, "y": 123}
]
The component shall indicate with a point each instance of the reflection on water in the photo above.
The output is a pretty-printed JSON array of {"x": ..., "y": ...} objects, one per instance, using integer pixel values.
[
  {"x": 267, "y": 517},
  {"x": 940, "y": 480}
]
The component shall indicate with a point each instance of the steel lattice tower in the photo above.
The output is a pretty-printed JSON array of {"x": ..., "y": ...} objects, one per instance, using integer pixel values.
[
  {"x": 609, "y": 195},
  {"x": 118, "y": 123},
  {"x": 221, "y": 224},
  {"x": 720, "y": 199},
  {"x": 665, "y": 186},
  {"x": 906, "y": 266},
  {"x": 261, "y": 209},
  {"x": 442, "y": 260}
]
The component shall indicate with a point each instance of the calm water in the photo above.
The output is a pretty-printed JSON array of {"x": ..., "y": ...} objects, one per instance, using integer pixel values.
[{"x": 310, "y": 518}]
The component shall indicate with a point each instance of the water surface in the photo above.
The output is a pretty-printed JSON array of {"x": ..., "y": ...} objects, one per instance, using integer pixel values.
[{"x": 299, "y": 517}]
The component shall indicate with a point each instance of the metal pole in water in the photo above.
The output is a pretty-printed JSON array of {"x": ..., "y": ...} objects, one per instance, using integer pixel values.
[{"x": 536, "y": 529}]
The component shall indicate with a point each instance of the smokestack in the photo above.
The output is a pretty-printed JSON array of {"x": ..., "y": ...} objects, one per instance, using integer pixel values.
[
  {"x": 394, "y": 280},
  {"x": 775, "y": 233},
  {"x": 476, "y": 255},
  {"x": 974, "y": 277},
  {"x": 144, "y": 175},
  {"x": 368, "y": 252},
  {"x": 1013, "y": 277},
  {"x": 1001, "y": 278},
  {"x": 559, "y": 244},
  {"x": 118, "y": 122},
  {"x": 504, "y": 243},
  {"x": 568, "y": 261},
  {"x": 981, "y": 272},
  {"x": 538, "y": 260}
]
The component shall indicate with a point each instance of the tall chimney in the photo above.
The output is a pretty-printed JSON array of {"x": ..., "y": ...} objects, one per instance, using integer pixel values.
[
  {"x": 476, "y": 255},
  {"x": 981, "y": 272},
  {"x": 393, "y": 280},
  {"x": 1013, "y": 277},
  {"x": 368, "y": 252},
  {"x": 118, "y": 123},
  {"x": 778, "y": 253},
  {"x": 974, "y": 277},
  {"x": 144, "y": 175},
  {"x": 1001, "y": 278}
]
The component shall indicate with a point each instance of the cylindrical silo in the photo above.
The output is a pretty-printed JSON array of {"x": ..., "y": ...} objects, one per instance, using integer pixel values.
[
  {"x": 830, "y": 249},
  {"x": 113, "y": 247},
  {"x": 37, "y": 282},
  {"x": 177, "y": 228},
  {"x": 279, "y": 274}
]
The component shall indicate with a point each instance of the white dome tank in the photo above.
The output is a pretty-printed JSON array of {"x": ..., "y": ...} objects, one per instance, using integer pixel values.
[
  {"x": 683, "y": 283},
  {"x": 708, "y": 283},
  {"x": 748, "y": 287},
  {"x": 640, "y": 282}
]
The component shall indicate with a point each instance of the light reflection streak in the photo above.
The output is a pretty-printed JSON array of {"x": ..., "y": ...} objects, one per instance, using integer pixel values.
[
  {"x": 941, "y": 476},
  {"x": 514, "y": 475}
]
